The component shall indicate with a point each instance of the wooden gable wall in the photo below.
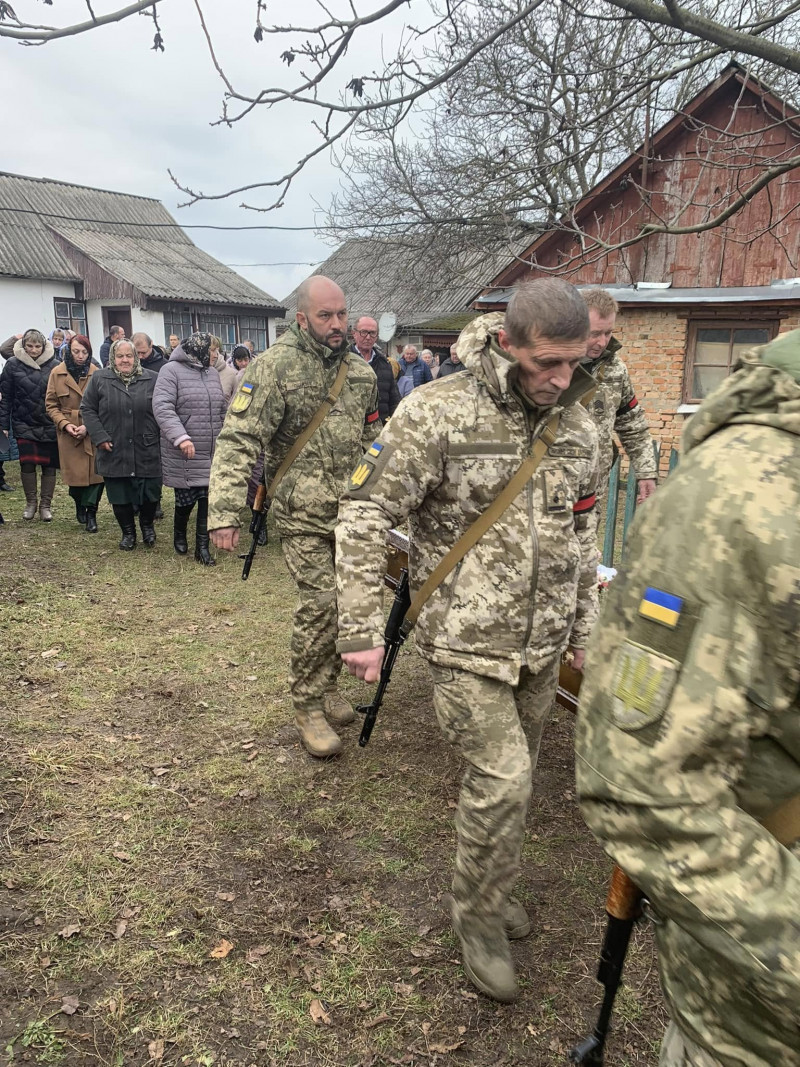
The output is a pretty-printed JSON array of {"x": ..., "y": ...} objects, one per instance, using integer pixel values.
[{"x": 692, "y": 162}]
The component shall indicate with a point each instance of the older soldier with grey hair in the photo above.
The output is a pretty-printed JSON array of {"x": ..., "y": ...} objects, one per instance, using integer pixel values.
[
  {"x": 688, "y": 735},
  {"x": 279, "y": 395},
  {"x": 493, "y": 632}
]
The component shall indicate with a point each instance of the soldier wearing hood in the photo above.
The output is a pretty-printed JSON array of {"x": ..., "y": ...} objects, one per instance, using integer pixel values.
[
  {"x": 277, "y": 398},
  {"x": 494, "y": 631},
  {"x": 689, "y": 728}
]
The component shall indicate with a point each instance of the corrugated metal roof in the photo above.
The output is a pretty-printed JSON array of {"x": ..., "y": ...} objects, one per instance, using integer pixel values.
[
  {"x": 624, "y": 294},
  {"x": 412, "y": 281},
  {"x": 137, "y": 241}
]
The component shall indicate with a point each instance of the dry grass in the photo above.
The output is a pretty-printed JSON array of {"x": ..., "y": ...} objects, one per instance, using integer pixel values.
[{"x": 156, "y": 805}]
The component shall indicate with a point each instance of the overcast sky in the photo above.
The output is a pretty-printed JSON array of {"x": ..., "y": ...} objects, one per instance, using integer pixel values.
[{"x": 104, "y": 110}]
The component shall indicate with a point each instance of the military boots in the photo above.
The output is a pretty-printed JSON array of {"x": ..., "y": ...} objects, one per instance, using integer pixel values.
[
  {"x": 317, "y": 737},
  {"x": 337, "y": 709},
  {"x": 486, "y": 957}
]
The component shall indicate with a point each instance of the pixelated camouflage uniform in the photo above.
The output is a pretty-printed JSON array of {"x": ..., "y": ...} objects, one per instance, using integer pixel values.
[
  {"x": 615, "y": 409},
  {"x": 277, "y": 398},
  {"x": 689, "y": 728},
  {"x": 494, "y": 631}
]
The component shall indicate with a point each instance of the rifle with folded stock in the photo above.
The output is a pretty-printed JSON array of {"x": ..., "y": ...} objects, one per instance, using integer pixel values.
[{"x": 396, "y": 578}]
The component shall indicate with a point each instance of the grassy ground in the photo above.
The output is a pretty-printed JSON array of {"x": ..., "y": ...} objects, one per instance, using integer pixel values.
[{"x": 181, "y": 884}]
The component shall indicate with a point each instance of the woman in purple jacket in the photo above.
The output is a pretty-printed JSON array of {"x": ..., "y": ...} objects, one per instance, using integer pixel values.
[{"x": 189, "y": 406}]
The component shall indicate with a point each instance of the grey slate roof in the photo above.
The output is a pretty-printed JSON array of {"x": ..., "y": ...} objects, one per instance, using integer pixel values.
[
  {"x": 411, "y": 281},
  {"x": 779, "y": 291},
  {"x": 138, "y": 242}
]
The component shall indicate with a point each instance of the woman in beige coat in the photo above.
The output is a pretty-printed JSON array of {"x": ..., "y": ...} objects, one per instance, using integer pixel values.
[{"x": 65, "y": 391}]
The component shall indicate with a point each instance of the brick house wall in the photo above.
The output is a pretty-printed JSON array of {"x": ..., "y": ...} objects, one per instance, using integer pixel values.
[{"x": 654, "y": 344}]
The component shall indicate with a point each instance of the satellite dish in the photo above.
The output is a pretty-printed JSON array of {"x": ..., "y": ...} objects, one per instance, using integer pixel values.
[{"x": 386, "y": 326}]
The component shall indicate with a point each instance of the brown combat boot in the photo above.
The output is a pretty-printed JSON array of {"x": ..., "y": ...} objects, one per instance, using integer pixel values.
[
  {"x": 337, "y": 709},
  {"x": 317, "y": 737},
  {"x": 516, "y": 920},
  {"x": 486, "y": 957}
]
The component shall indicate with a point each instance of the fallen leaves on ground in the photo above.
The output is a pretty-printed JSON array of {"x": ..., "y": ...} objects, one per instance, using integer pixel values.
[
  {"x": 318, "y": 1013},
  {"x": 70, "y": 930},
  {"x": 220, "y": 951}
]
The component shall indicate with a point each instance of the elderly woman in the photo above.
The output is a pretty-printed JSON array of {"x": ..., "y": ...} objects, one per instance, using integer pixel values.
[
  {"x": 190, "y": 406},
  {"x": 23, "y": 385},
  {"x": 117, "y": 410},
  {"x": 65, "y": 391}
]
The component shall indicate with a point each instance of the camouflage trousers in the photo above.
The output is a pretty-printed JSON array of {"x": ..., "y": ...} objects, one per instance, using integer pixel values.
[
  {"x": 679, "y": 1051},
  {"x": 497, "y": 728},
  {"x": 314, "y": 664}
]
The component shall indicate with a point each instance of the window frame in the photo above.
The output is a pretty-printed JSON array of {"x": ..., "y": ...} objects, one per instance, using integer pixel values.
[
  {"x": 71, "y": 303},
  {"x": 771, "y": 325}
]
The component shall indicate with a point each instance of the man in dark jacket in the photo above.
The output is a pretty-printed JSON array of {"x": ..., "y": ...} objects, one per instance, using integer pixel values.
[
  {"x": 451, "y": 365},
  {"x": 413, "y": 367},
  {"x": 365, "y": 334},
  {"x": 151, "y": 357},
  {"x": 116, "y": 333}
]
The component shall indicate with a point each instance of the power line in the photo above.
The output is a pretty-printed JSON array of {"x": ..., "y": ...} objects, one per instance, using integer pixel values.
[{"x": 294, "y": 263}]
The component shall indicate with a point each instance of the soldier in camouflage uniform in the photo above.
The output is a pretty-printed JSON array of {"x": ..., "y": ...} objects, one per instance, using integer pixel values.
[
  {"x": 277, "y": 398},
  {"x": 613, "y": 405},
  {"x": 689, "y": 727},
  {"x": 494, "y": 631}
]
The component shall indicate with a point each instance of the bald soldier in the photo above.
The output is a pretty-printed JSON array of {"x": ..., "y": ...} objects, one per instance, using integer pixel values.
[
  {"x": 688, "y": 736},
  {"x": 278, "y": 397}
]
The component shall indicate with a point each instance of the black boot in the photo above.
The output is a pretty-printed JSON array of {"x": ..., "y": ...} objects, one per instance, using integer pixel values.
[
  {"x": 201, "y": 553},
  {"x": 147, "y": 512},
  {"x": 80, "y": 513},
  {"x": 124, "y": 515},
  {"x": 179, "y": 530},
  {"x": 91, "y": 520}
]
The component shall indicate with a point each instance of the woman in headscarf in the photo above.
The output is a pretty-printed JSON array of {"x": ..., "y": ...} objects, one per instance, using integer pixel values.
[
  {"x": 189, "y": 406},
  {"x": 65, "y": 389},
  {"x": 23, "y": 385},
  {"x": 117, "y": 409}
]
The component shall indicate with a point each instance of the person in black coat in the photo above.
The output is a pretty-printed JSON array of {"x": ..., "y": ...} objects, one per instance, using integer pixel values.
[
  {"x": 23, "y": 385},
  {"x": 116, "y": 333},
  {"x": 117, "y": 411},
  {"x": 365, "y": 335},
  {"x": 451, "y": 365}
]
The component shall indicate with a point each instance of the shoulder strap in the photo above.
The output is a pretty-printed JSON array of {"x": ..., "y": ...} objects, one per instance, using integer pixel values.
[
  {"x": 484, "y": 522},
  {"x": 311, "y": 429},
  {"x": 587, "y": 397}
]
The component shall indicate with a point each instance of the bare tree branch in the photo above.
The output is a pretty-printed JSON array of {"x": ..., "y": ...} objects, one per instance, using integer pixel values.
[{"x": 27, "y": 33}]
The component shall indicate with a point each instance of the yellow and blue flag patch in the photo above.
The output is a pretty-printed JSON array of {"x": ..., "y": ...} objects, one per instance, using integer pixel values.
[
  {"x": 374, "y": 449},
  {"x": 661, "y": 607},
  {"x": 241, "y": 402}
]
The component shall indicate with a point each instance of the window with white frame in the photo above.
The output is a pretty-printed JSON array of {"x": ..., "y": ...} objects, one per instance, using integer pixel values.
[{"x": 714, "y": 348}]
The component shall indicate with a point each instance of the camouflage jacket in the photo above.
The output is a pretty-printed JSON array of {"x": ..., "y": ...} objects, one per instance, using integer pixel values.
[
  {"x": 277, "y": 398},
  {"x": 689, "y": 725},
  {"x": 615, "y": 409},
  {"x": 449, "y": 449}
]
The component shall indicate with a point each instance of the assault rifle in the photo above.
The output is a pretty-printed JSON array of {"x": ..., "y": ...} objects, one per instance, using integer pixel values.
[
  {"x": 260, "y": 507},
  {"x": 623, "y": 908},
  {"x": 394, "y": 635}
]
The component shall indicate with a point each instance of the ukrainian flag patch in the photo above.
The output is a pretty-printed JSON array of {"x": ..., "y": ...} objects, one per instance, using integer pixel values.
[
  {"x": 244, "y": 394},
  {"x": 661, "y": 607},
  {"x": 246, "y": 387},
  {"x": 374, "y": 449}
]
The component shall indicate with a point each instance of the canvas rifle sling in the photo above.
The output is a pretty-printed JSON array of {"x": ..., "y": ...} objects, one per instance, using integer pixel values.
[
  {"x": 484, "y": 522},
  {"x": 784, "y": 821},
  {"x": 311, "y": 429}
]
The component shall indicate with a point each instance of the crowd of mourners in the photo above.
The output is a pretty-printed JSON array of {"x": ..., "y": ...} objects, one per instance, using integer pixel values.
[
  {"x": 136, "y": 419},
  {"x": 138, "y": 416}
]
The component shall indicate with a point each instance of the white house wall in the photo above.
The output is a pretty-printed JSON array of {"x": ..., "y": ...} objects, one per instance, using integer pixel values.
[
  {"x": 149, "y": 322},
  {"x": 27, "y": 303}
]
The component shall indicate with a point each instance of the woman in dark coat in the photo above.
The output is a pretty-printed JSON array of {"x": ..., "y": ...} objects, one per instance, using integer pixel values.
[
  {"x": 117, "y": 410},
  {"x": 23, "y": 385},
  {"x": 65, "y": 391},
  {"x": 189, "y": 405}
]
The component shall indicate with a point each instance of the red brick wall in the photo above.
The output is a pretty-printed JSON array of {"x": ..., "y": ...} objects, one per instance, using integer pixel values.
[{"x": 654, "y": 349}]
